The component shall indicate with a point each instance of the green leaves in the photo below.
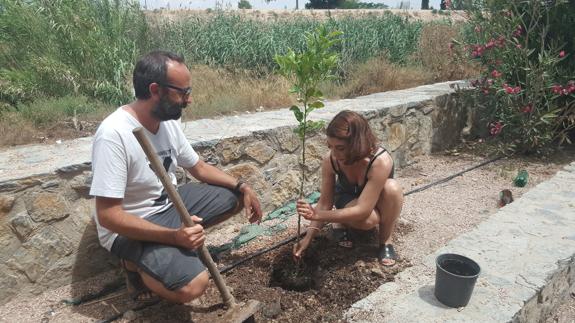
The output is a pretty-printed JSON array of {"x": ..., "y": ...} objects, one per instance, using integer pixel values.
[
  {"x": 308, "y": 127},
  {"x": 297, "y": 113},
  {"x": 307, "y": 69},
  {"x": 311, "y": 66}
]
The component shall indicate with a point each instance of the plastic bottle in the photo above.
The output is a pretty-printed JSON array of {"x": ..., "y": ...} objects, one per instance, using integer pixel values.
[{"x": 521, "y": 179}]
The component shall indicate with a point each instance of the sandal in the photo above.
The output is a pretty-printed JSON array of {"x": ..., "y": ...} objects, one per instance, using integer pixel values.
[
  {"x": 387, "y": 252},
  {"x": 137, "y": 290},
  {"x": 342, "y": 236}
]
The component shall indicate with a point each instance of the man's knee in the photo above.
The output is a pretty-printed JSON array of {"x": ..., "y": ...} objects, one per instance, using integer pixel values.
[{"x": 194, "y": 289}]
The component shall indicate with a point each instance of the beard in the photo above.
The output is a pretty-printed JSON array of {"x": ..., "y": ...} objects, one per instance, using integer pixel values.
[{"x": 165, "y": 110}]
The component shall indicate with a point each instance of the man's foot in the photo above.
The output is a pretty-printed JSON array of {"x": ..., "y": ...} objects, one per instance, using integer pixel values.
[
  {"x": 137, "y": 290},
  {"x": 386, "y": 255},
  {"x": 342, "y": 236}
]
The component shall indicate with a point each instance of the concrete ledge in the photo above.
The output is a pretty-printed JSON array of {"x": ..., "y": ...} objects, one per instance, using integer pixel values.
[
  {"x": 527, "y": 256},
  {"x": 33, "y": 160}
]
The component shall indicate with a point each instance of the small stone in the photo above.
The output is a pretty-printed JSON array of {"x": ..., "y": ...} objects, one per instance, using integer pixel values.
[
  {"x": 360, "y": 264},
  {"x": 130, "y": 315},
  {"x": 50, "y": 184},
  {"x": 272, "y": 310},
  {"x": 6, "y": 203},
  {"x": 377, "y": 272}
]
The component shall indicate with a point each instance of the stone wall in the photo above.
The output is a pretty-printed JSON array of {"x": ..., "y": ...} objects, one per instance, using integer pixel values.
[{"x": 47, "y": 234}]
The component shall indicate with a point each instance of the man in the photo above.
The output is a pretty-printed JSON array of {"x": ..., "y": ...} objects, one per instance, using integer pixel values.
[{"x": 135, "y": 219}]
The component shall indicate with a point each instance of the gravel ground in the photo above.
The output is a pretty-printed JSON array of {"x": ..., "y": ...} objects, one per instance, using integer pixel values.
[{"x": 429, "y": 219}]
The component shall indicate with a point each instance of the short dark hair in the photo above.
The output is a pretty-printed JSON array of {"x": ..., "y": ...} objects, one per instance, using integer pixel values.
[
  {"x": 354, "y": 129},
  {"x": 151, "y": 68}
]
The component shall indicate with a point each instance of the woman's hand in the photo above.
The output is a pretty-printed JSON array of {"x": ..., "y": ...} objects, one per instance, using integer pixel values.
[
  {"x": 306, "y": 210},
  {"x": 301, "y": 246}
]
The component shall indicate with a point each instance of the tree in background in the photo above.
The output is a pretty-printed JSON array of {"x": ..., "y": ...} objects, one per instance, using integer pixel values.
[
  {"x": 343, "y": 4},
  {"x": 323, "y": 4},
  {"x": 244, "y": 4}
]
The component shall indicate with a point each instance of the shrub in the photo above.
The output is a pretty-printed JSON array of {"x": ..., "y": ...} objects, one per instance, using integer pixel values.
[{"x": 526, "y": 89}]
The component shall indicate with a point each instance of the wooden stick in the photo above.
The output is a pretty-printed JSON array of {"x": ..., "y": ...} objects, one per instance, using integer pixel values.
[{"x": 203, "y": 253}]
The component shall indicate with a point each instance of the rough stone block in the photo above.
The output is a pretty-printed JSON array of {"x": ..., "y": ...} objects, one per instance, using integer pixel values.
[
  {"x": 230, "y": 150},
  {"x": 6, "y": 204},
  {"x": 287, "y": 139},
  {"x": 260, "y": 152},
  {"x": 22, "y": 224},
  {"x": 47, "y": 207},
  {"x": 36, "y": 255}
]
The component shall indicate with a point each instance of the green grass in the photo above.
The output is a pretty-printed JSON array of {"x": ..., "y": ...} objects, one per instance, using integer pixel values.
[
  {"x": 232, "y": 41},
  {"x": 62, "y": 47}
]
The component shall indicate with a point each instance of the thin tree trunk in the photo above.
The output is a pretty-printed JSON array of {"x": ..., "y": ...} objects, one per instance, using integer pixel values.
[{"x": 424, "y": 4}]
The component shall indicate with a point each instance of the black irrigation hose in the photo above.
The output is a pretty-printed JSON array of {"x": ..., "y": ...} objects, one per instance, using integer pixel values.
[
  {"x": 106, "y": 290},
  {"x": 450, "y": 177},
  {"x": 258, "y": 253},
  {"x": 288, "y": 240}
]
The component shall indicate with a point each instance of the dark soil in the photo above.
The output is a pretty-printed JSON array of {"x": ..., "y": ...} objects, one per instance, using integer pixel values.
[{"x": 333, "y": 278}]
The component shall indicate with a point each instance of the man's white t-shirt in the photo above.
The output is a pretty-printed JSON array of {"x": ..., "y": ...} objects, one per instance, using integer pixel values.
[{"x": 121, "y": 169}]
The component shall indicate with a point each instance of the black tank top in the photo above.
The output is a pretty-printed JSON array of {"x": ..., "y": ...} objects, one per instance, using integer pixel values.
[{"x": 342, "y": 184}]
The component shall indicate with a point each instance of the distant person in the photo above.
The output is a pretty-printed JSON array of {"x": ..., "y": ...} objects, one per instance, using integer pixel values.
[
  {"x": 356, "y": 178},
  {"x": 135, "y": 219}
]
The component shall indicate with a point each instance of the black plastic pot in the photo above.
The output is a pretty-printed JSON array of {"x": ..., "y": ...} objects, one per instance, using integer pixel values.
[{"x": 455, "y": 278}]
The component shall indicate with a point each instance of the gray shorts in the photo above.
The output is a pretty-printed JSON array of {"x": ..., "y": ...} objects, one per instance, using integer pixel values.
[{"x": 175, "y": 267}]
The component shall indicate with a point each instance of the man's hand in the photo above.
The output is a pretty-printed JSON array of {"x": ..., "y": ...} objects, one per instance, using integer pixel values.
[
  {"x": 252, "y": 208},
  {"x": 306, "y": 210},
  {"x": 191, "y": 237}
]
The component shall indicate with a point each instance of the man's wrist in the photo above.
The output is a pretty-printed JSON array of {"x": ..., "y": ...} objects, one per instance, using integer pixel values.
[{"x": 238, "y": 189}]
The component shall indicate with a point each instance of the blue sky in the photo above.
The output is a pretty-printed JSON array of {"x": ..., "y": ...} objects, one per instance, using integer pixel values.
[{"x": 260, "y": 4}]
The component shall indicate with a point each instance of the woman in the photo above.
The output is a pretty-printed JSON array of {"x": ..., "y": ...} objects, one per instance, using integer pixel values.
[{"x": 357, "y": 178}]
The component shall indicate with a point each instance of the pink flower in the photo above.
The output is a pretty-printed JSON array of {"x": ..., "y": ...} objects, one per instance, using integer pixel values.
[
  {"x": 519, "y": 46},
  {"x": 495, "y": 128},
  {"x": 571, "y": 86},
  {"x": 562, "y": 54},
  {"x": 477, "y": 51},
  {"x": 518, "y": 31},
  {"x": 557, "y": 89},
  {"x": 511, "y": 90},
  {"x": 528, "y": 108},
  {"x": 490, "y": 44},
  {"x": 496, "y": 74}
]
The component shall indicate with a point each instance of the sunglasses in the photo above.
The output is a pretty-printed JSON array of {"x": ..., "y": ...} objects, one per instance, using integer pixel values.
[{"x": 183, "y": 91}]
